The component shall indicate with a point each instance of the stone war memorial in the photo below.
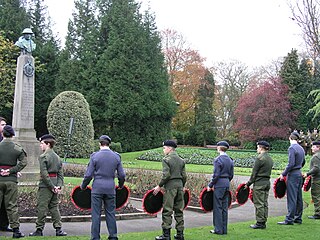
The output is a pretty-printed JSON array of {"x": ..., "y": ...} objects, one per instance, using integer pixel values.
[{"x": 23, "y": 109}]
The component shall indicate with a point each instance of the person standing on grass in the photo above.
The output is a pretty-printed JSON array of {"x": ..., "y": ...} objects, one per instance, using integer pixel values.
[
  {"x": 4, "y": 221},
  {"x": 173, "y": 180},
  {"x": 314, "y": 172},
  {"x": 51, "y": 181},
  {"x": 12, "y": 160},
  {"x": 293, "y": 173},
  {"x": 260, "y": 178},
  {"x": 102, "y": 168},
  {"x": 220, "y": 184}
]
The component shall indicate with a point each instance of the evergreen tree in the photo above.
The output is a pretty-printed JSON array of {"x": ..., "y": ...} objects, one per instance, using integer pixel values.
[
  {"x": 139, "y": 105},
  {"x": 46, "y": 57},
  {"x": 13, "y": 18},
  {"x": 203, "y": 131},
  {"x": 299, "y": 77}
]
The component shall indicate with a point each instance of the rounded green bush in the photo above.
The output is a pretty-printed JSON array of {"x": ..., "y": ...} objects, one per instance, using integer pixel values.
[{"x": 63, "y": 107}]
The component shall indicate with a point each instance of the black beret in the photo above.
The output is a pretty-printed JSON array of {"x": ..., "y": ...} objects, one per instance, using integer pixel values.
[
  {"x": 316, "y": 143},
  {"x": 105, "y": 138},
  {"x": 263, "y": 143},
  {"x": 295, "y": 134},
  {"x": 170, "y": 143},
  {"x": 223, "y": 144},
  {"x": 8, "y": 130},
  {"x": 47, "y": 136}
]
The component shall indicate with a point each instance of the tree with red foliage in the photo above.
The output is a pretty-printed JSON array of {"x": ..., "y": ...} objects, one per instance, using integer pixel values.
[{"x": 263, "y": 112}]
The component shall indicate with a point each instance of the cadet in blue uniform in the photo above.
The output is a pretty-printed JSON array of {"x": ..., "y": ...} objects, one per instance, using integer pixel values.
[
  {"x": 220, "y": 184},
  {"x": 102, "y": 168},
  {"x": 294, "y": 181}
]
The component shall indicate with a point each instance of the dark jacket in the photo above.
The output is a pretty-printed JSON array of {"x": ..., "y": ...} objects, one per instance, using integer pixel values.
[
  {"x": 50, "y": 163},
  {"x": 12, "y": 156},
  {"x": 173, "y": 172},
  {"x": 315, "y": 167},
  {"x": 261, "y": 170},
  {"x": 223, "y": 171}
]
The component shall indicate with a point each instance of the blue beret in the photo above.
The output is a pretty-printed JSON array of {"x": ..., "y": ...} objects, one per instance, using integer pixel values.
[
  {"x": 170, "y": 143},
  {"x": 223, "y": 144},
  {"x": 47, "y": 136},
  {"x": 105, "y": 138},
  {"x": 316, "y": 143},
  {"x": 263, "y": 143},
  {"x": 295, "y": 134},
  {"x": 8, "y": 130}
]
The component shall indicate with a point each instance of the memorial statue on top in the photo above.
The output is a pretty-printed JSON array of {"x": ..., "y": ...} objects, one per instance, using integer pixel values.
[{"x": 25, "y": 43}]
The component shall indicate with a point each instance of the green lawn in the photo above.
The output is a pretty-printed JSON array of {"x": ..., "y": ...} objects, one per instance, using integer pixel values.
[{"x": 238, "y": 231}]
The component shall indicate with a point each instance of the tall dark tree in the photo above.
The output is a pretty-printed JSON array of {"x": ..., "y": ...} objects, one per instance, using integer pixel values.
[
  {"x": 78, "y": 70},
  {"x": 299, "y": 77},
  {"x": 46, "y": 57},
  {"x": 139, "y": 105},
  {"x": 204, "y": 132},
  {"x": 13, "y": 18}
]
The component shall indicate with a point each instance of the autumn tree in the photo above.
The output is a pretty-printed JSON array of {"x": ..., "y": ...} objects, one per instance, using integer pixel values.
[
  {"x": 232, "y": 79},
  {"x": 186, "y": 69},
  {"x": 263, "y": 112}
]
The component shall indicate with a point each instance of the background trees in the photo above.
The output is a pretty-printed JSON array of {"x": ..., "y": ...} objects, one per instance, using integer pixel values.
[{"x": 263, "y": 112}]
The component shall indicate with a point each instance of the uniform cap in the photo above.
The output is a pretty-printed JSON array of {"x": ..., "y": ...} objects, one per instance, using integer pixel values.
[
  {"x": 316, "y": 143},
  {"x": 263, "y": 143},
  {"x": 8, "y": 130},
  {"x": 105, "y": 138},
  {"x": 295, "y": 134},
  {"x": 47, "y": 136},
  {"x": 223, "y": 144},
  {"x": 170, "y": 143}
]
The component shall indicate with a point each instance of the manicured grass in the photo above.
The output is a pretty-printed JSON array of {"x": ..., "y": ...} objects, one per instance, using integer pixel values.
[{"x": 241, "y": 230}]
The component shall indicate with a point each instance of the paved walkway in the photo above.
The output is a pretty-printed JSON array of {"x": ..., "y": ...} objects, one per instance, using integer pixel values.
[{"x": 277, "y": 207}]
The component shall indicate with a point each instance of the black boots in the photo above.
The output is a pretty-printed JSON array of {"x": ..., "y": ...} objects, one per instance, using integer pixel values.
[
  {"x": 165, "y": 235},
  {"x": 37, "y": 233},
  {"x": 60, "y": 233},
  {"x": 258, "y": 225},
  {"x": 179, "y": 235},
  {"x": 17, "y": 233}
]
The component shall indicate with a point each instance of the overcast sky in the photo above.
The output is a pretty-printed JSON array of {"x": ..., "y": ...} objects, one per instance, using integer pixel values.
[{"x": 252, "y": 31}]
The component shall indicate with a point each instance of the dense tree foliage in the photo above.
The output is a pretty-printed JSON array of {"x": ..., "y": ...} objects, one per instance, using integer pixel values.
[
  {"x": 8, "y": 54},
  {"x": 263, "y": 112},
  {"x": 203, "y": 131},
  {"x": 299, "y": 77},
  {"x": 67, "y": 105}
]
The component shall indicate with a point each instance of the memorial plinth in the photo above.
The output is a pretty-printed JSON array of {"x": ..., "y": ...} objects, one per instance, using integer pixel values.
[{"x": 23, "y": 116}]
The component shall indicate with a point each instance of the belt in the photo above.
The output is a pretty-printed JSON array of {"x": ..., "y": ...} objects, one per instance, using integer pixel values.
[
  {"x": 53, "y": 175},
  {"x": 5, "y": 167},
  {"x": 224, "y": 177}
]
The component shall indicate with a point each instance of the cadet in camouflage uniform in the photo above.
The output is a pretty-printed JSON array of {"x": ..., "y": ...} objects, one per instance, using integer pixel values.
[
  {"x": 4, "y": 221},
  {"x": 260, "y": 178},
  {"x": 315, "y": 183},
  {"x": 12, "y": 161},
  {"x": 173, "y": 180},
  {"x": 51, "y": 181}
]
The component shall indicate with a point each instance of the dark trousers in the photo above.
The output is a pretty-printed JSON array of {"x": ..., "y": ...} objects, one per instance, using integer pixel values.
[
  {"x": 220, "y": 210},
  {"x": 294, "y": 198},
  {"x": 109, "y": 201},
  {"x": 4, "y": 221},
  {"x": 315, "y": 194}
]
